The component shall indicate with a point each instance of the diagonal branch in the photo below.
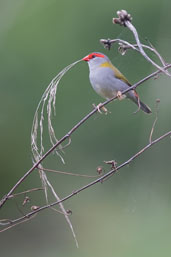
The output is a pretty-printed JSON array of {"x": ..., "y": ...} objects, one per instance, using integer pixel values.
[
  {"x": 124, "y": 45},
  {"x": 70, "y": 132},
  {"x": 101, "y": 179},
  {"x": 124, "y": 19}
]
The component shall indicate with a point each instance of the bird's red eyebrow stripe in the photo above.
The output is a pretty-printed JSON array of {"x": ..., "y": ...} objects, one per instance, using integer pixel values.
[
  {"x": 96, "y": 54},
  {"x": 90, "y": 56}
]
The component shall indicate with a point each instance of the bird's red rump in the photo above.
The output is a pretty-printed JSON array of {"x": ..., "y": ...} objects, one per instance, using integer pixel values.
[{"x": 92, "y": 55}]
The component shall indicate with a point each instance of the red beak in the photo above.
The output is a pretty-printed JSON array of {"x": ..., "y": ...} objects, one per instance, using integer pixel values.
[
  {"x": 92, "y": 55},
  {"x": 86, "y": 58}
]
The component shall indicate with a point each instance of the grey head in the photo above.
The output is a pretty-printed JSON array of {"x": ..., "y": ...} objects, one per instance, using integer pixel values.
[{"x": 95, "y": 59}]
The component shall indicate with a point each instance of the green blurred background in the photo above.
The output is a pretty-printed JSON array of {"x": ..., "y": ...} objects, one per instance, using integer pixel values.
[{"x": 129, "y": 214}]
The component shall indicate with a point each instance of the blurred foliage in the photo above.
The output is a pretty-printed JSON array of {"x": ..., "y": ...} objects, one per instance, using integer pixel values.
[{"x": 129, "y": 214}]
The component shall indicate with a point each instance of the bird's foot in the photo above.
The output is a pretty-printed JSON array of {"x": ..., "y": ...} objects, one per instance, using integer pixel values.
[
  {"x": 120, "y": 96},
  {"x": 100, "y": 107}
]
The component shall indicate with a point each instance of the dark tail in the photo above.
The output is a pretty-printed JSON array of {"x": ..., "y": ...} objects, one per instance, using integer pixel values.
[
  {"x": 135, "y": 98},
  {"x": 144, "y": 107}
]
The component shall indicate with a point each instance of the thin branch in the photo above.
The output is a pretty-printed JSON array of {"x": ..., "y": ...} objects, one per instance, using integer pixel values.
[
  {"x": 15, "y": 224},
  {"x": 155, "y": 121},
  {"x": 70, "y": 132},
  {"x": 125, "y": 19},
  {"x": 26, "y": 192},
  {"x": 124, "y": 45},
  {"x": 102, "y": 178},
  {"x": 70, "y": 173}
]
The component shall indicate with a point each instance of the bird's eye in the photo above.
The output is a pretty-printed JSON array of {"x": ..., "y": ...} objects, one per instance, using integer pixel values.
[{"x": 93, "y": 56}]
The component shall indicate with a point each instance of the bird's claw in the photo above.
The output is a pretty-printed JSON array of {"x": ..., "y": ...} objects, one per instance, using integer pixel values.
[
  {"x": 100, "y": 107},
  {"x": 120, "y": 96}
]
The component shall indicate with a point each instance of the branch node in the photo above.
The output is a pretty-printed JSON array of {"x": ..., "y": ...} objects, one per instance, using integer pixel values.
[
  {"x": 107, "y": 43},
  {"x": 26, "y": 200},
  {"x": 123, "y": 17},
  {"x": 69, "y": 211},
  {"x": 74, "y": 192},
  {"x": 35, "y": 207},
  {"x": 113, "y": 164},
  {"x": 99, "y": 170}
]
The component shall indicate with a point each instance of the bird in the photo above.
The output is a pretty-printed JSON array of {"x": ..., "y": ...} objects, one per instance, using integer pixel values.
[{"x": 108, "y": 81}]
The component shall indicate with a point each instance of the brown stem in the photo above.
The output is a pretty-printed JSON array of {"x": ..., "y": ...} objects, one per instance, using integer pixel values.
[
  {"x": 68, "y": 135},
  {"x": 108, "y": 174}
]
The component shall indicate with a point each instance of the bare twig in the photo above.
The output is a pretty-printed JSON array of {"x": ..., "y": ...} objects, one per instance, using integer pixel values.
[
  {"x": 26, "y": 192},
  {"x": 155, "y": 121},
  {"x": 125, "y": 19},
  {"x": 102, "y": 178},
  {"x": 70, "y": 132},
  {"x": 49, "y": 98},
  {"x": 70, "y": 173},
  {"x": 12, "y": 224},
  {"x": 124, "y": 45}
]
